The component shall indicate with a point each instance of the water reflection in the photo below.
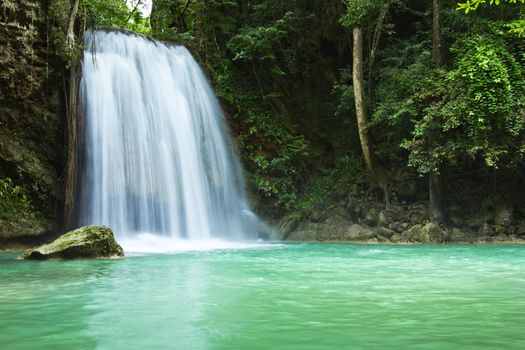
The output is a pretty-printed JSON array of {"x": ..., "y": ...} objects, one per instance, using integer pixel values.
[
  {"x": 45, "y": 303},
  {"x": 284, "y": 297}
]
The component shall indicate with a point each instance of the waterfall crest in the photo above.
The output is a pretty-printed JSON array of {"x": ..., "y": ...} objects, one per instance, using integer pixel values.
[{"x": 155, "y": 153}]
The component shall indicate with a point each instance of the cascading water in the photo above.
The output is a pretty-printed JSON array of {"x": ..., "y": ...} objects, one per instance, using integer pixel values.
[{"x": 155, "y": 155}]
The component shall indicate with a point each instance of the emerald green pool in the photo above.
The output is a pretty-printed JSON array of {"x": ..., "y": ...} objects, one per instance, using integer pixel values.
[{"x": 280, "y": 296}]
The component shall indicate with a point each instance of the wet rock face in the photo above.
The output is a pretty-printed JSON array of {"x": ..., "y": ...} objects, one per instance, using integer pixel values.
[
  {"x": 85, "y": 242},
  {"x": 10, "y": 230},
  {"x": 287, "y": 226},
  {"x": 31, "y": 129}
]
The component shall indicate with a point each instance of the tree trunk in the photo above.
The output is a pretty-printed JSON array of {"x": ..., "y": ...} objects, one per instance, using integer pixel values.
[
  {"x": 70, "y": 34},
  {"x": 199, "y": 17},
  {"x": 438, "y": 53},
  {"x": 71, "y": 120},
  {"x": 154, "y": 22},
  {"x": 71, "y": 147},
  {"x": 435, "y": 180},
  {"x": 376, "y": 38},
  {"x": 373, "y": 167}
]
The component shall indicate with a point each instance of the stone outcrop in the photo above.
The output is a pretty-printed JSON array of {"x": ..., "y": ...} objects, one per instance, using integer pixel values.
[
  {"x": 401, "y": 225},
  {"x": 31, "y": 94},
  {"x": 84, "y": 242}
]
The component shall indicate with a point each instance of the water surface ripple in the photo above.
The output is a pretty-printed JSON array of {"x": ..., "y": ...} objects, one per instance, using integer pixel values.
[{"x": 297, "y": 296}]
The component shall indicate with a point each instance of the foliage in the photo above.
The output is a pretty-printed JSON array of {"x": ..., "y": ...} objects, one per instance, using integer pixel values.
[
  {"x": 13, "y": 200},
  {"x": 407, "y": 85},
  {"x": 478, "y": 107},
  {"x": 258, "y": 43},
  {"x": 471, "y": 5},
  {"x": 115, "y": 13},
  {"x": 358, "y": 11},
  {"x": 517, "y": 26},
  {"x": 337, "y": 181}
]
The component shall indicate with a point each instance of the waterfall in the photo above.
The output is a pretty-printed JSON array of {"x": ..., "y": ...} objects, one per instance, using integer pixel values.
[{"x": 155, "y": 153}]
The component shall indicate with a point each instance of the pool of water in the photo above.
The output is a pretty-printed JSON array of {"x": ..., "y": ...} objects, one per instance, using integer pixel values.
[{"x": 275, "y": 296}]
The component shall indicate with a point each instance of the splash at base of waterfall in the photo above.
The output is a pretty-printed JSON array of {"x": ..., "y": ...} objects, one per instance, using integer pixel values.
[{"x": 152, "y": 243}]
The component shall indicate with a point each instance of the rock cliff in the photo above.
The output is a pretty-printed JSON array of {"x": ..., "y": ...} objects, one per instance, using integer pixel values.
[{"x": 31, "y": 117}]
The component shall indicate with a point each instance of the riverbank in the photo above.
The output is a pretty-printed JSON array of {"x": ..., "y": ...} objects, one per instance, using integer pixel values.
[{"x": 402, "y": 224}]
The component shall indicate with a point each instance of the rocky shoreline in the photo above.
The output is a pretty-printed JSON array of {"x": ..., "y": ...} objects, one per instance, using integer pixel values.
[
  {"x": 496, "y": 222},
  {"x": 402, "y": 224}
]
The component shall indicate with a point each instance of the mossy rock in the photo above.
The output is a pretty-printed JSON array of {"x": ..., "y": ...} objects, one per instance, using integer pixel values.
[{"x": 85, "y": 242}]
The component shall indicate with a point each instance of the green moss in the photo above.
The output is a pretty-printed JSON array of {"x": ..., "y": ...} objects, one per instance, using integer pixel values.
[
  {"x": 18, "y": 216},
  {"x": 84, "y": 242}
]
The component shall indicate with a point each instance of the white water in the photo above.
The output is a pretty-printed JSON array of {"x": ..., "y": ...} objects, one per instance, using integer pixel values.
[
  {"x": 151, "y": 243},
  {"x": 156, "y": 158}
]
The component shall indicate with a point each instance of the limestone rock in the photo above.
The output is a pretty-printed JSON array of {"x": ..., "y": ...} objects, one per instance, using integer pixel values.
[
  {"x": 381, "y": 239},
  {"x": 486, "y": 230},
  {"x": 396, "y": 238},
  {"x": 520, "y": 229},
  {"x": 382, "y": 219},
  {"x": 371, "y": 217},
  {"x": 20, "y": 227},
  {"x": 412, "y": 234},
  {"x": 432, "y": 233},
  {"x": 304, "y": 233},
  {"x": 503, "y": 215},
  {"x": 317, "y": 213},
  {"x": 480, "y": 218},
  {"x": 288, "y": 225},
  {"x": 84, "y": 242},
  {"x": 457, "y": 235},
  {"x": 367, "y": 234},
  {"x": 385, "y": 232},
  {"x": 358, "y": 232},
  {"x": 354, "y": 231},
  {"x": 31, "y": 129}
]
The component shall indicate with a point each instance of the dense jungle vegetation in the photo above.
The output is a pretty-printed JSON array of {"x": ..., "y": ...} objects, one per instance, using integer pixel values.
[
  {"x": 450, "y": 106},
  {"x": 353, "y": 101}
]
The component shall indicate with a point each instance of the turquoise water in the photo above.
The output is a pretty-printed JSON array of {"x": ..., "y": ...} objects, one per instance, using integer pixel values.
[{"x": 304, "y": 296}]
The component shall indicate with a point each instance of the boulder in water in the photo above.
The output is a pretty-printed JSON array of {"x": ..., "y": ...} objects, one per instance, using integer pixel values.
[{"x": 84, "y": 242}]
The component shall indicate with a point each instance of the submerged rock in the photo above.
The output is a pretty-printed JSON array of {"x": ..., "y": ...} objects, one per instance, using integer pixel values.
[{"x": 84, "y": 242}]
